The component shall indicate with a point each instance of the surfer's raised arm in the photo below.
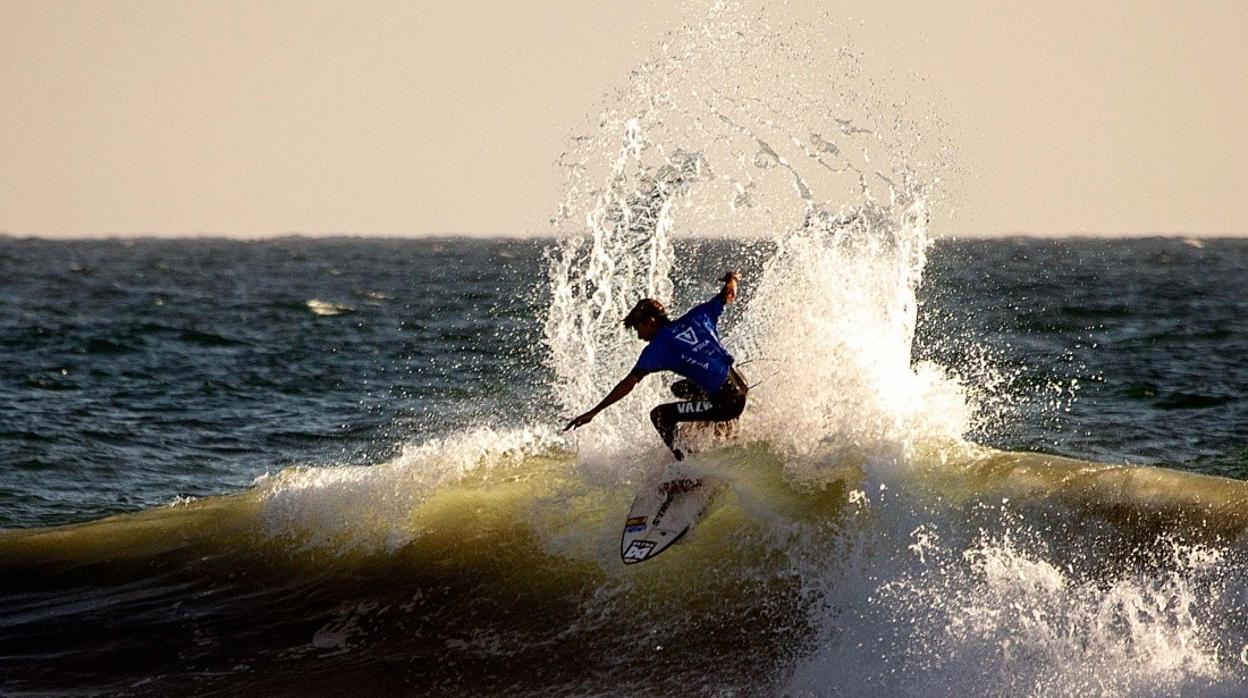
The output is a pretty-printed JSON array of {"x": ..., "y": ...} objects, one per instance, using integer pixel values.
[
  {"x": 624, "y": 387},
  {"x": 729, "y": 292}
]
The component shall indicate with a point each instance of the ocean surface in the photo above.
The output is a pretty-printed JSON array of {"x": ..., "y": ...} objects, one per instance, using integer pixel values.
[
  {"x": 141, "y": 371},
  {"x": 320, "y": 467},
  {"x": 299, "y": 465}
]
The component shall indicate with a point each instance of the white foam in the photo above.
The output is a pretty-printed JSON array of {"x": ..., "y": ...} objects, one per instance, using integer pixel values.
[
  {"x": 328, "y": 309},
  {"x": 835, "y": 312},
  {"x": 998, "y": 614},
  {"x": 353, "y": 508}
]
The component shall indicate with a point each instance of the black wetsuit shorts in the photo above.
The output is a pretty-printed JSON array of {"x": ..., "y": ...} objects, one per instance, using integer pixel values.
[{"x": 723, "y": 405}]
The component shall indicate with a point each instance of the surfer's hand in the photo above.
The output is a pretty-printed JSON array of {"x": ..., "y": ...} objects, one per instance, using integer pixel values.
[
  {"x": 579, "y": 421},
  {"x": 729, "y": 292}
]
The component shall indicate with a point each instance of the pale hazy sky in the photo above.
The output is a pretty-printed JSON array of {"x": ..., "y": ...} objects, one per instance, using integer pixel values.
[{"x": 268, "y": 118}]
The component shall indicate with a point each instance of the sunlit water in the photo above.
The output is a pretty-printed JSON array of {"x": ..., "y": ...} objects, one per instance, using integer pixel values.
[{"x": 976, "y": 468}]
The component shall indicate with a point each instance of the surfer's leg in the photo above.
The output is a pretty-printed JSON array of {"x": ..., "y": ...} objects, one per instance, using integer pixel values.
[
  {"x": 689, "y": 391},
  {"x": 686, "y": 389},
  {"x": 724, "y": 406},
  {"x": 730, "y": 401},
  {"x": 664, "y": 418}
]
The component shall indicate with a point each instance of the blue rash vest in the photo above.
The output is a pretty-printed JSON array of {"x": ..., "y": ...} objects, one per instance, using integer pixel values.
[{"x": 690, "y": 346}]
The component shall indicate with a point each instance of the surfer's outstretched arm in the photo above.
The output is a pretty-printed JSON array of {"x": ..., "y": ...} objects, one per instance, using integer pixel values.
[{"x": 624, "y": 387}]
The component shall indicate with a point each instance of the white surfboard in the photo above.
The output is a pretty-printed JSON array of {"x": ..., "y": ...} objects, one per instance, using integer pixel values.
[{"x": 664, "y": 511}]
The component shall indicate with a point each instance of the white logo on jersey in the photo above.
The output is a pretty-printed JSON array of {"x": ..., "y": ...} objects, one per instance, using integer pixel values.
[{"x": 688, "y": 337}]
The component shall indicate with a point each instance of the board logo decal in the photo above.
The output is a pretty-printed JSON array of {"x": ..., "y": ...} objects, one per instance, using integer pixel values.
[
  {"x": 658, "y": 515},
  {"x": 635, "y": 521},
  {"x": 688, "y": 337},
  {"x": 638, "y": 551},
  {"x": 689, "y": 407}
]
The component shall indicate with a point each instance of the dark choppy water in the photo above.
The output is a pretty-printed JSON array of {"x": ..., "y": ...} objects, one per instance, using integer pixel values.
[
  {"x": 1154, "y": 331},
  {"x": 141, "y": 373}
]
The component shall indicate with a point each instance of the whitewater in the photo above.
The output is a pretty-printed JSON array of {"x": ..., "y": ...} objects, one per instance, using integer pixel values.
[{"x": 878, "y": 535}]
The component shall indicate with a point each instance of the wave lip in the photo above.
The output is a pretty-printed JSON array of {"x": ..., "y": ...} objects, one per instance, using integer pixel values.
[{"x": 353, "y": 509}]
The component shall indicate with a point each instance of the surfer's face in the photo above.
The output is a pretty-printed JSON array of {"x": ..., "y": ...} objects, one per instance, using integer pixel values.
[{"x": 646, "y": 329}]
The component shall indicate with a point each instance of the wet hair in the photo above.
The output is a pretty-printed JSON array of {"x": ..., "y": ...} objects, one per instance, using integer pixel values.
[{"x": 645, "y": 309}]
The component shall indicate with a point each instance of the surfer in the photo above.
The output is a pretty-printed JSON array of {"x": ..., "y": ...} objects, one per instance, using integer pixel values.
[{"x": 711, "y": 391}]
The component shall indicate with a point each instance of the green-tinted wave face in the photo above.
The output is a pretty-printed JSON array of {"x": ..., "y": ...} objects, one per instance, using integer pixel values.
[
  {"x": 506, "y": 563},
  {"x": 501, "y": 573}
]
